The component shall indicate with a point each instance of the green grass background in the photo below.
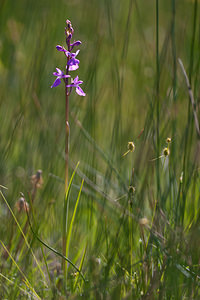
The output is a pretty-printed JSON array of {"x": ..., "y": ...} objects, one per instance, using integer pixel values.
[{"x": 133, "y": 81}]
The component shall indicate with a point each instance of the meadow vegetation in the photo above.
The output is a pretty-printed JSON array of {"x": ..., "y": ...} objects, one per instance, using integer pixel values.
[{"x": 133, "y": 217}]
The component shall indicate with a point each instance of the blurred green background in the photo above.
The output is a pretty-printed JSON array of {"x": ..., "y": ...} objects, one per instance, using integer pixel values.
[{"x": 118, "y": 64}]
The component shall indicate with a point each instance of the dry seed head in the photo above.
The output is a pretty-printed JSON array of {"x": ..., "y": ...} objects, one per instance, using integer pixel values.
[
  {"x": 131, "y": 146},
  {"x": 74, "y": 274},
  {"x": 22, "y": 205},
  {"x": 166, "y": 152},
  {"x": 37, "y": 179}
]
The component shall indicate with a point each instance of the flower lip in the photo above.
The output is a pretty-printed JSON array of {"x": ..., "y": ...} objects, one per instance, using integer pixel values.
[
  {"x": 79, "y": 91},
  {"x": 59, "y": 74},
  {"x": 75, "y": 54},
  {"x": 73, "y": 63},
  {"x": 75, "y": 83}
]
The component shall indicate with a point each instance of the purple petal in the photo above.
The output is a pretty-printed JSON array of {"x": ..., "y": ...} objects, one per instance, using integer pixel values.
[
  {"x": 60, "y": 48},
  {"x": 56, "y": 82},
  {"x": 73, "y": 67},
  {"x": 69, "y": 37},
  {"x": 59, "y": 72},
  {"x": 73, "y": 55},
  {"x": 79, "y": 91},
  {"x": 73, "y": 61},
  {"x": 73, "y": 64},
  {"x": 65, "y": 76},
  {"x": 75, "y": 80},
  {"x": 79, "y": 82},
  {"x": 77, "y": 43}
]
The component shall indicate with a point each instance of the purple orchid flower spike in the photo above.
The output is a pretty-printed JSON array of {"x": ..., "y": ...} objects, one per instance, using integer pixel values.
[
  {"x": 73, "y": 63},
  {"x": 59, "y": 74},
  {"x": 75, "y": 83}
]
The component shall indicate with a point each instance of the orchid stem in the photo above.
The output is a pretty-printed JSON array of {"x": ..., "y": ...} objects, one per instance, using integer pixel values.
[
  {"x": 67, "y": 132},
  {"x": 67, "y": 139}
]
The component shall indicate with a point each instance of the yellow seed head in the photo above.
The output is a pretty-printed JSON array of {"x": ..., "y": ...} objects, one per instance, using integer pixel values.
[
  {"x": 166, "y": 152},
  {"x": 131, "y": 189},
  {"x": 131, "y": 146},
  {"x": 143, "y": 221},
  {"x": 168, "y": 140}
]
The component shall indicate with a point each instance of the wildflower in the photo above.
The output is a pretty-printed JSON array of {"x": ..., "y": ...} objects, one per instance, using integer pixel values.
[
  {"x": 72, "y": 63},
  {"x": 59, "y": 74},
  {"x": 75, "y": 83}
]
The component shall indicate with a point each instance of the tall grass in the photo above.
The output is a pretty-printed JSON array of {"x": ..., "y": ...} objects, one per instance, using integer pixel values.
[{"x": 133, "y": 231}]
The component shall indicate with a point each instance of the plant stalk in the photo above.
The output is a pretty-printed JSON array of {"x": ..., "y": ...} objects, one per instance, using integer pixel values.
[
  {"x": 67, "y": 132},
  {"x": 67, "y": 128}
]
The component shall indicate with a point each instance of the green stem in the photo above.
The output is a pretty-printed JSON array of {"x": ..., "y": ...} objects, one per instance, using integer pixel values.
[
  {"x": 189, "y": 130},
  {"x": 157, "y": 98},
  {"x": 174, "y": 121}
]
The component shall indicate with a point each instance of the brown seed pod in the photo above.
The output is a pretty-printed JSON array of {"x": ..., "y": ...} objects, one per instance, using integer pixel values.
[
  {"x": 21, "y": 205},
  {"x": 37, "y": 179}
]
